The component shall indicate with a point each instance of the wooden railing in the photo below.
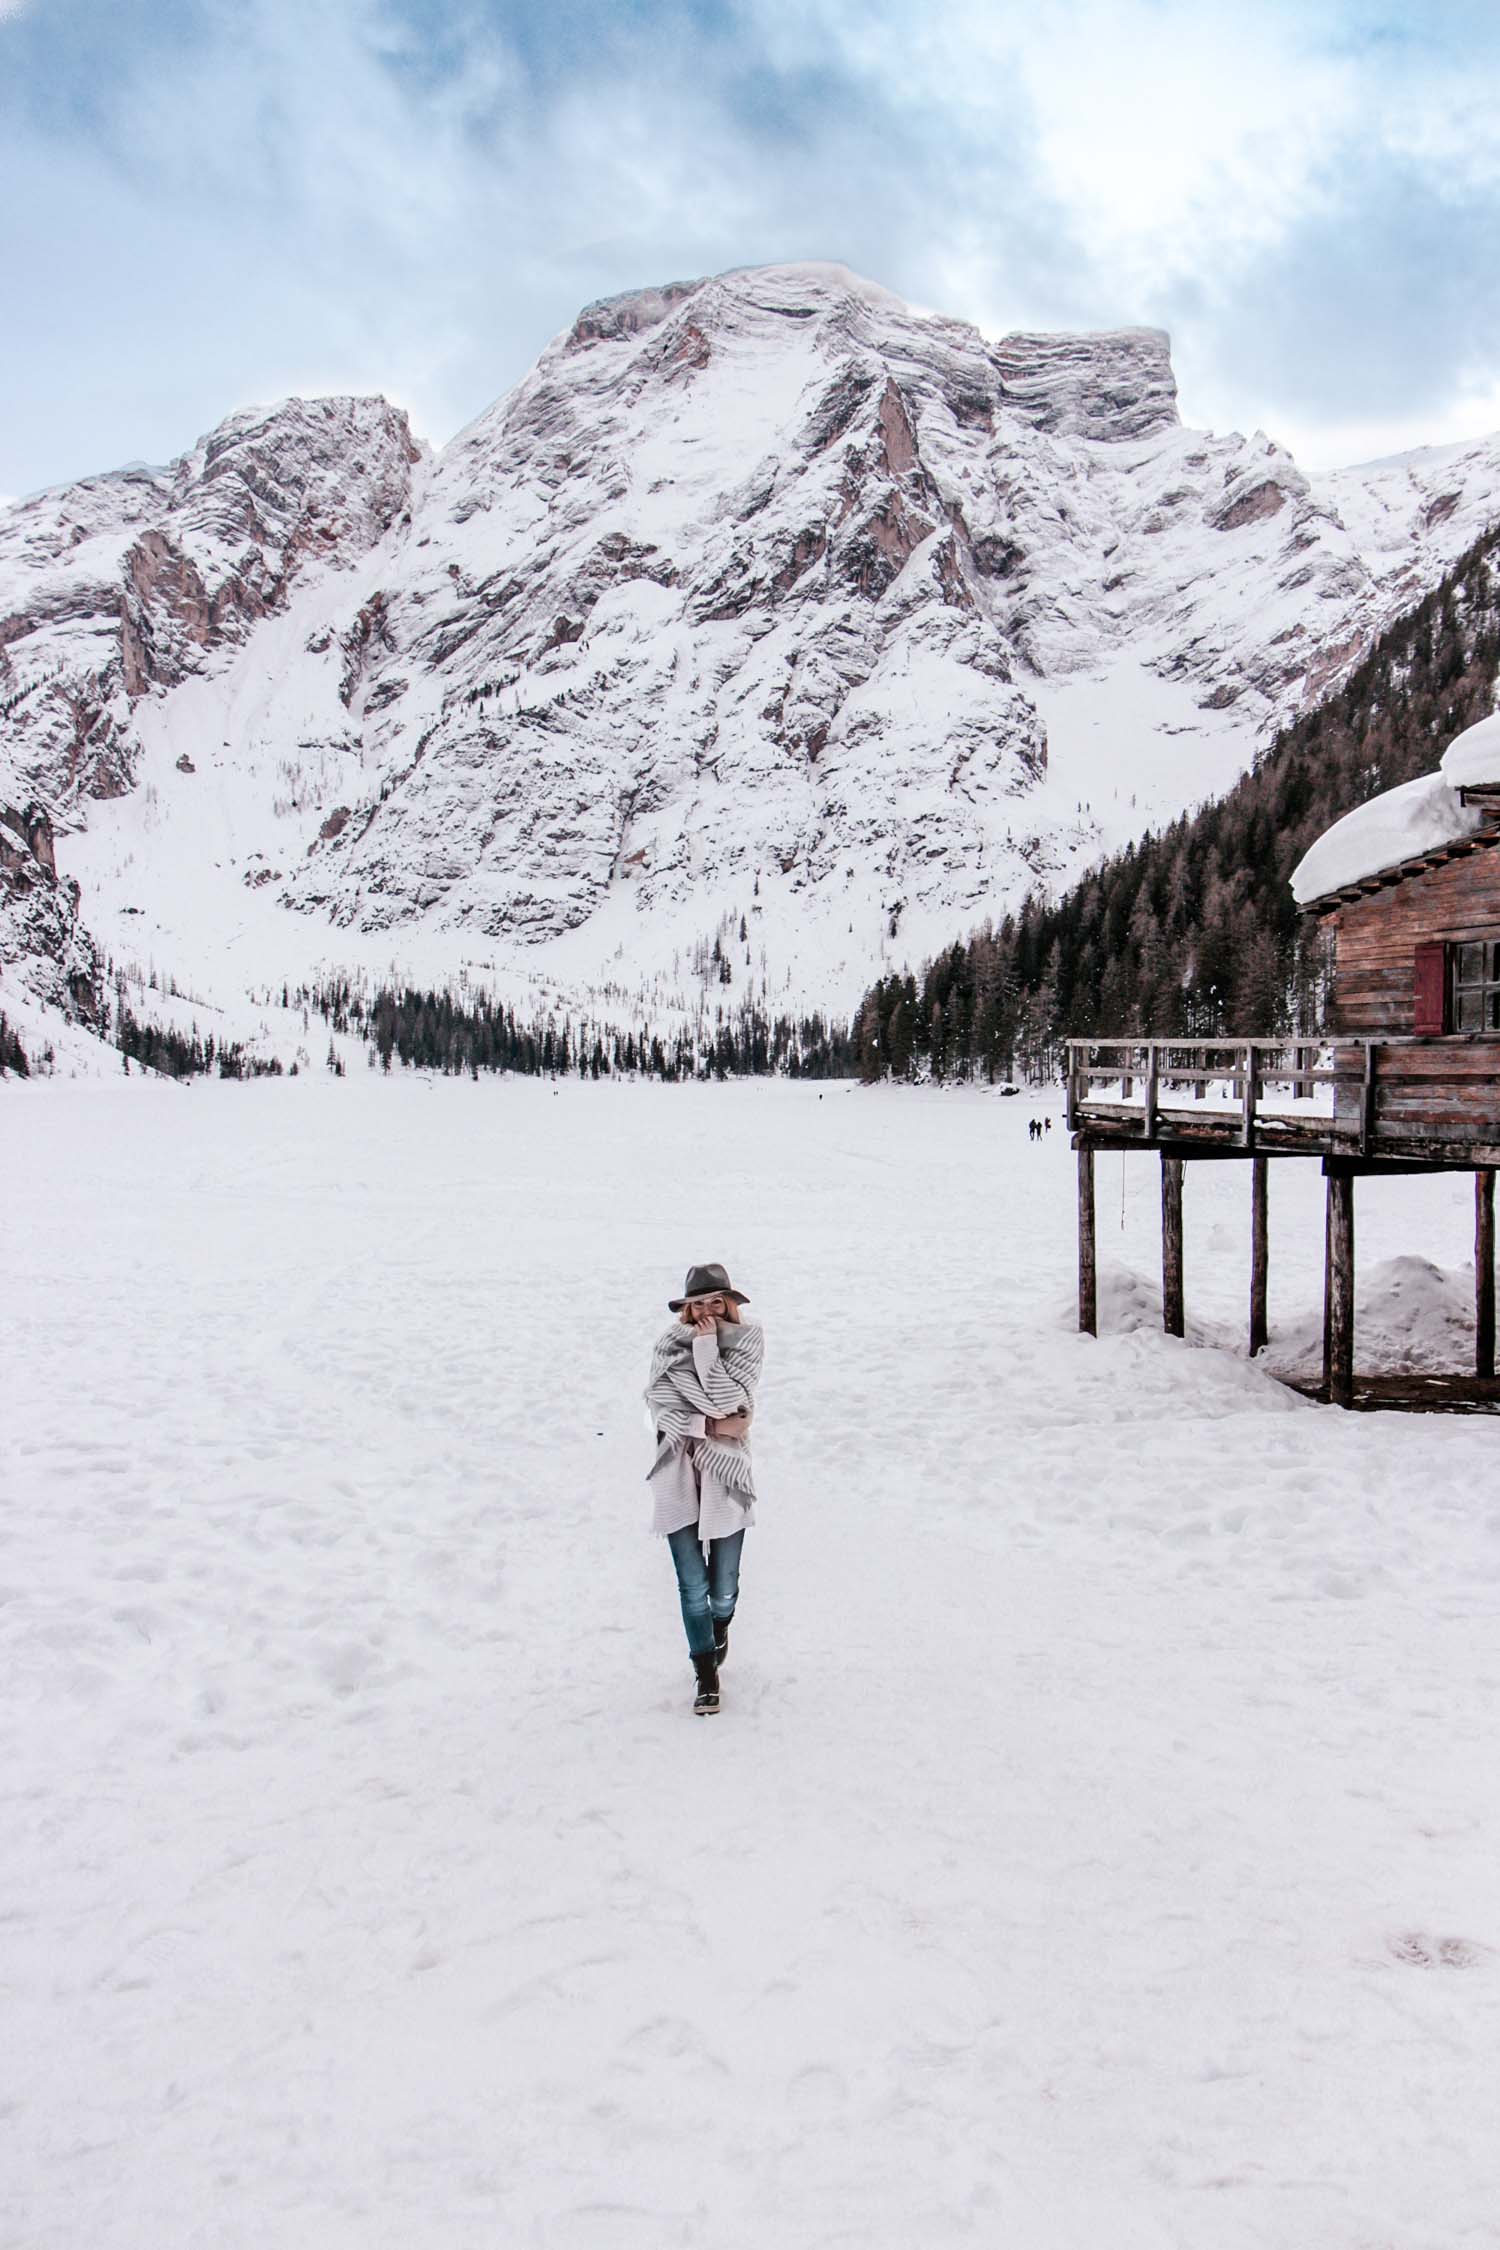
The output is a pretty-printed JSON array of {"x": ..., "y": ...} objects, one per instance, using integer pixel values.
[
  {"x": 1397, "y": 1094},
  {"x": 1246, "y": 1067}
]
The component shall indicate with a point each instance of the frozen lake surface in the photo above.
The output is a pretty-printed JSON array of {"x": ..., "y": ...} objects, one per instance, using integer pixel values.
[{"x": 1096, "y": 1851}]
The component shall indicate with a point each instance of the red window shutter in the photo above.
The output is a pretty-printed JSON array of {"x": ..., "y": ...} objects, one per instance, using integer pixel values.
[{"x": 1431, "y": 990}]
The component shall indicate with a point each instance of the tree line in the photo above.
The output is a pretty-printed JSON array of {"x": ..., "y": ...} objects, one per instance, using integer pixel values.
[
  {"x": 1193, "y": 932},
  {"x": 462, "y": 1036},
  {"x": 177, "y": 1054},
  {"x": 459, "y": 1035}
]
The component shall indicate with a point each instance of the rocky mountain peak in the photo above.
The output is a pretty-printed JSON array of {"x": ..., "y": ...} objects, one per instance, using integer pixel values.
[
  {"x": 1115, "y": 385},
  {"x": 122, "y": 584},
  {"x": 611, "y": 320},
  {"x": 1118, "y": 384},
  {"x": 335, "y": 471}
]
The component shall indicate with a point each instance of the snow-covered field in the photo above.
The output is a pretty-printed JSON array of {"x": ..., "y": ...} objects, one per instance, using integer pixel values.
[{"x": 1097, "y": 1849}]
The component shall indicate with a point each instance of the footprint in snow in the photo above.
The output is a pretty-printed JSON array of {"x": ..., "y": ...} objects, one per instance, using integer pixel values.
[{"x": 1415, "y": 1949}]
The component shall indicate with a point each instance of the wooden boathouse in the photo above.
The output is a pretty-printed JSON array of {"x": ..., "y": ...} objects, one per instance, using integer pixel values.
[{"x": 1405, "y": 1079}]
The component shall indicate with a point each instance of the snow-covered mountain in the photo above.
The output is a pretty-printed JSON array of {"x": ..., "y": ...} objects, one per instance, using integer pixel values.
[
  {"x": 761, "y": 597},
  {"x": 126, "y": 583},
  {"x": 115, "y": 591}
]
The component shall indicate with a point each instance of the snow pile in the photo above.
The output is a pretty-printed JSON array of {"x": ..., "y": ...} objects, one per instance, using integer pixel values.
[
  {"x": 1097, "y": 1845},
  {"x": 1412, "y": 1317},
  {"x": 1400, "y": 824},
  {"x": 1472, "y": 759},
  {"x": 1403, "y": 823}
]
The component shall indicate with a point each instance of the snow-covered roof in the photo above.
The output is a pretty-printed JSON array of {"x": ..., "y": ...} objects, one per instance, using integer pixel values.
[
  {"x": 1472, "y": 759},
  {"x": 1402, "y": 824}
]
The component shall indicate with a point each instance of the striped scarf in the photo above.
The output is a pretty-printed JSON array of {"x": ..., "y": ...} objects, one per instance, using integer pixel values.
[{"x": 675, "y": 1395}]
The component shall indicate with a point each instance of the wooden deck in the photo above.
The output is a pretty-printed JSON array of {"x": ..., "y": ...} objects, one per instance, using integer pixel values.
[
  {"x": 1388, "y": 1103},
  {"x": 1362, "y": 1106}
]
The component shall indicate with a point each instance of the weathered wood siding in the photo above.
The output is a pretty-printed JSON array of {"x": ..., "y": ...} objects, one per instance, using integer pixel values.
[
  {"x": 1374, "y": 980},
  {"x": 1448, "y": 1093}
]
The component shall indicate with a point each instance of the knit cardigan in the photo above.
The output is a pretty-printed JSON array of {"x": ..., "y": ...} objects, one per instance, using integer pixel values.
[{"x": 696, "y": 1478}]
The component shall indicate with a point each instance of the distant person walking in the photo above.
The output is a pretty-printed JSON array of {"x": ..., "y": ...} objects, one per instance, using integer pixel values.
[{"x": 701, "y": 1395}]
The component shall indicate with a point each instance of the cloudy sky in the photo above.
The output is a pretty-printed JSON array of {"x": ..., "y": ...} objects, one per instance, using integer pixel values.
[{"x": 215, "y": 202}]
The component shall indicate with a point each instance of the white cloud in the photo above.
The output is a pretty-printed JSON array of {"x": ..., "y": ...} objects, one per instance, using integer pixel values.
[{"x": 393, "y": 201}]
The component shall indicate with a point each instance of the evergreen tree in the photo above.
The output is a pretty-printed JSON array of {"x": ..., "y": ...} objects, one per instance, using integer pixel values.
[{"x": 12, "y": 1053}]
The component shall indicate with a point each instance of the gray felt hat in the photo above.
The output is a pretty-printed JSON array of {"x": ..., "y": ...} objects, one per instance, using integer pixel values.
[{"x": 706, "y": 1281}]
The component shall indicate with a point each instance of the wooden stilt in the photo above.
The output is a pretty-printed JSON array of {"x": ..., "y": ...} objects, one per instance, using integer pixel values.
[
  {"x": 1088, "y": 1299},
  {"x": 1484, "y": 1274},
  {"x": 1338, "y": 1303},
  {"x": 1327, "y": 1298},
  {"x": 1171, "y": 1245},
  {"x": 1260, "y": 1250}
]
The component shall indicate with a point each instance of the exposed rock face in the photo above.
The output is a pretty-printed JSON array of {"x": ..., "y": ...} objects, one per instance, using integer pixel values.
[
  {"x": 757, "y": 589},
  {"x": 1109, "y": 387},
  {"x": 1264, "y": 486},
  {"x": 41, "y": 937},
  {"x": 126, "y": 583},
  {"x": 613, "y": 319}
]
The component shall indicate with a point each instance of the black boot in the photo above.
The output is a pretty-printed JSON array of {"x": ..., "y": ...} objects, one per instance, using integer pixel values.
[
  {"x": 721, "y": 1639},
  {"x": 706, "y": 1701}
]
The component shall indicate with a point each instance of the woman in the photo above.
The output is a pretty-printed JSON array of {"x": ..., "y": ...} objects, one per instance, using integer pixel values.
[{"x": 702, "y": 1395}]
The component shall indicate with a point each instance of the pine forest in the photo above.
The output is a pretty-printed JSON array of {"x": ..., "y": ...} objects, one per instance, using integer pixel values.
[{"x": 1193, "y": 932}]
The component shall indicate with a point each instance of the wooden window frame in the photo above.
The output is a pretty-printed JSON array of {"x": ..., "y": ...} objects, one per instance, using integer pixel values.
[{"x": 1486, "y": 985}]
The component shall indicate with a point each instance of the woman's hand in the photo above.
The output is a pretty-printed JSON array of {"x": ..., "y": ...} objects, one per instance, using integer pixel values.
[
  {"x": 705, "y": 1325},
  {"x": 728, "y": 1425}
]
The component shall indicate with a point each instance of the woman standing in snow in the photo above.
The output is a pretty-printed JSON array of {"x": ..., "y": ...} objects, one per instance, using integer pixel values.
[{"x": 701, "y": 1396}]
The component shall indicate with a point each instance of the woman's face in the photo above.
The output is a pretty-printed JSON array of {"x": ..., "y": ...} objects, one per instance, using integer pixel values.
[{"x": 704, "y": 1308}]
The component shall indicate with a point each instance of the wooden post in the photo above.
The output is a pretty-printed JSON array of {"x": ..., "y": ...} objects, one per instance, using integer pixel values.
[
  {"x": 1327, "y": 1298},
  {"x": 1484, "y": 1274},
  {"x": 1247, "y": 1097},
  {"x": 1171, "y": 1245},
  {"x": 1148, "y": 1112},
  {"x": 1367, "y": 1101},
  {"x": 1088, "y": 1297},
  {"x": 1338, "y": 1312},
  {"x": 1260, "y": 1250}
]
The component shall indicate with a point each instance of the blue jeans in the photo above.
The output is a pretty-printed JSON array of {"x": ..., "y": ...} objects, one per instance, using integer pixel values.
[{"x": 708, "y": 1585}]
